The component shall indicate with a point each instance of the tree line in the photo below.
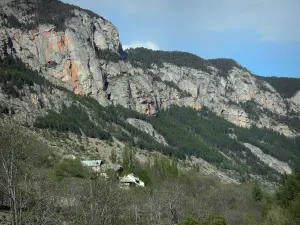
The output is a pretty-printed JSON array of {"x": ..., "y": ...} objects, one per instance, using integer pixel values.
[
  {"x": 145, "y": 58},
  {"x": 52, "y": 12},
  {"x": 287, "y": 87}
]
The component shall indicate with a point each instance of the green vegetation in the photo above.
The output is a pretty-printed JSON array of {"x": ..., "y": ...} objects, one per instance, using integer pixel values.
[
  {"x": 108, "y": 55},
  {"x": 72, "y": 119},
  {"x": 212, "y": 219},
  {"x": 145, "y": 58},
  {"x": 70, "y": 168},
  {"x": 252, "y": 109},
  {"x": 286, "y": 86},
  {"x": 128, "y": 159},
  {"x": 4, "y": 109},
  {"x": 45, "y": 189},
  {"x": 178, "y": 197},
  {"x": 190, "y": 220},
  {"x": 48, "y": 12},
  {"x": 160, "y": 169},
  {"x": 224, "y": 65},
  {"x": 257, "y": 193},
  {"x": 15, "y": 75},
  {"x": 207, "y": 137},
  {"x": 284, "y": 208},
  {"x": 272, "y": 143}
]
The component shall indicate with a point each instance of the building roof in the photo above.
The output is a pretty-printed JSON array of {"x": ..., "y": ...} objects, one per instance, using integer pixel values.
[
  {"x": 130, "y": 178},
  {"x": 92, "y": 163}
]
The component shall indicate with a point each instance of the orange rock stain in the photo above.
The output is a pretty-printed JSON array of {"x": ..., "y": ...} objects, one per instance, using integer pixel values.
[
  {"x": 66, "y": 42},
  {"x": 196, "y": 107},
  {"x": 47, "y": 34},
  {"x": 60, "y": 45},
  {"x": 52, "y": 46},
  {"x": 75, "y": 79}
]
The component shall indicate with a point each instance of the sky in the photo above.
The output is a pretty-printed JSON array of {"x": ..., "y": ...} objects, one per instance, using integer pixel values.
[{"x": 261, "y": 35}]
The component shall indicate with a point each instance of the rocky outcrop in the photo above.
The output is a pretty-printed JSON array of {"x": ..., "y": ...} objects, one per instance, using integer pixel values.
[
  {"x": 34, "y": 101},
  {"x": 225, "y": 96},
  {"x": 147, "y": 128},
  {"x": 65, "y": 57},
  {"x": 75, "y": 58},
  {"x": 272, "y": 162}
]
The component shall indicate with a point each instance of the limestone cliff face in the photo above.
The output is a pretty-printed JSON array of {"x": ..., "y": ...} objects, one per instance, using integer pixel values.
[
  {"x": 225, "y": 96},
  {"x": 74, "y": 58},
  {"x": 68, "y": 56}
]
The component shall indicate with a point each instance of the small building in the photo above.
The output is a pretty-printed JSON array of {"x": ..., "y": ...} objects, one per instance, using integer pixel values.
[
  {"x": 93, "y": 164},
  {"x": 131, "y": 180}
]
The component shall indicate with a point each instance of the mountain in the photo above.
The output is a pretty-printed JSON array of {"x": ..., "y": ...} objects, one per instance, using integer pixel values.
[
  {"x": 206, "y": 136},
  {"x": 63, "y": 68}
]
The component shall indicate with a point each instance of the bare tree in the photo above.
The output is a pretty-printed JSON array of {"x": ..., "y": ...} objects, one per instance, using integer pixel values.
[
  {"x": 18, "y": 151},
  {"x": 12, "y": 149}
]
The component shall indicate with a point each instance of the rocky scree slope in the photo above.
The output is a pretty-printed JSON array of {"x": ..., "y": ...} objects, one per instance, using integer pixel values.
[{"x": 81, "y": 51}]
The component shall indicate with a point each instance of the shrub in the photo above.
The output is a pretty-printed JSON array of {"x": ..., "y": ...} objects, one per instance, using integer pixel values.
[
  {"x": 190, "y": 220},
  {"x": 70, "y": 168},
  {"x": 257, "y": 194}
]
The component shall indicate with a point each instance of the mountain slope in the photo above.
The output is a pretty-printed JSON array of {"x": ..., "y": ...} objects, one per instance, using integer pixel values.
[
  {"x": 188, "y": 133},
  {"x": 87, "y": 86},
  {"x": 84, "y": 53}
]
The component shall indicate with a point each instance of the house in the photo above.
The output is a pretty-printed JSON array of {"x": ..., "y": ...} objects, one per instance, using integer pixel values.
[
  {"x": 93, "y": 164},
  {"x": 131, "y": 180}
]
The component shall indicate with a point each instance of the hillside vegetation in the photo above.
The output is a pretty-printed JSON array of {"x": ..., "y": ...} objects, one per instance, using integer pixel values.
[
  {"x": 145, "y": 58},
  {"x": 45, "y": 12},
  {"x": 37, "y": 187},
  {"x": 287, "y": 87}
]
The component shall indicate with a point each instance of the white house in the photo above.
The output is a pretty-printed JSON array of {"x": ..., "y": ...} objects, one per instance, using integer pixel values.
[
  {"x": 130, "y": 180},
  {"x": 93, "y": 164}
]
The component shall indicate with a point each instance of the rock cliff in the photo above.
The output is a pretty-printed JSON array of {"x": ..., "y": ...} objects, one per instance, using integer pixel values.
[{"x": 82, "y": 52}]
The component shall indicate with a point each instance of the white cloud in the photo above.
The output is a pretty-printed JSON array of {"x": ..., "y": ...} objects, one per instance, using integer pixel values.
[{"x": 147, "y": 44}]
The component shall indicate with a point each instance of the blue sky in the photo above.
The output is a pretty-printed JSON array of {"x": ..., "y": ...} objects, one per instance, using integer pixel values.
[{"x": 262, "y": 35}]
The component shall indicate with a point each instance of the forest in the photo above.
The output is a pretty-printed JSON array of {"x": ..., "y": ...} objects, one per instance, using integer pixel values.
[
  {"x": 46, "y": 12},
  {"x": 287, "y": 87},
  {"x": 145, "y": 58},
  {"x": 15, "y": 75}
]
